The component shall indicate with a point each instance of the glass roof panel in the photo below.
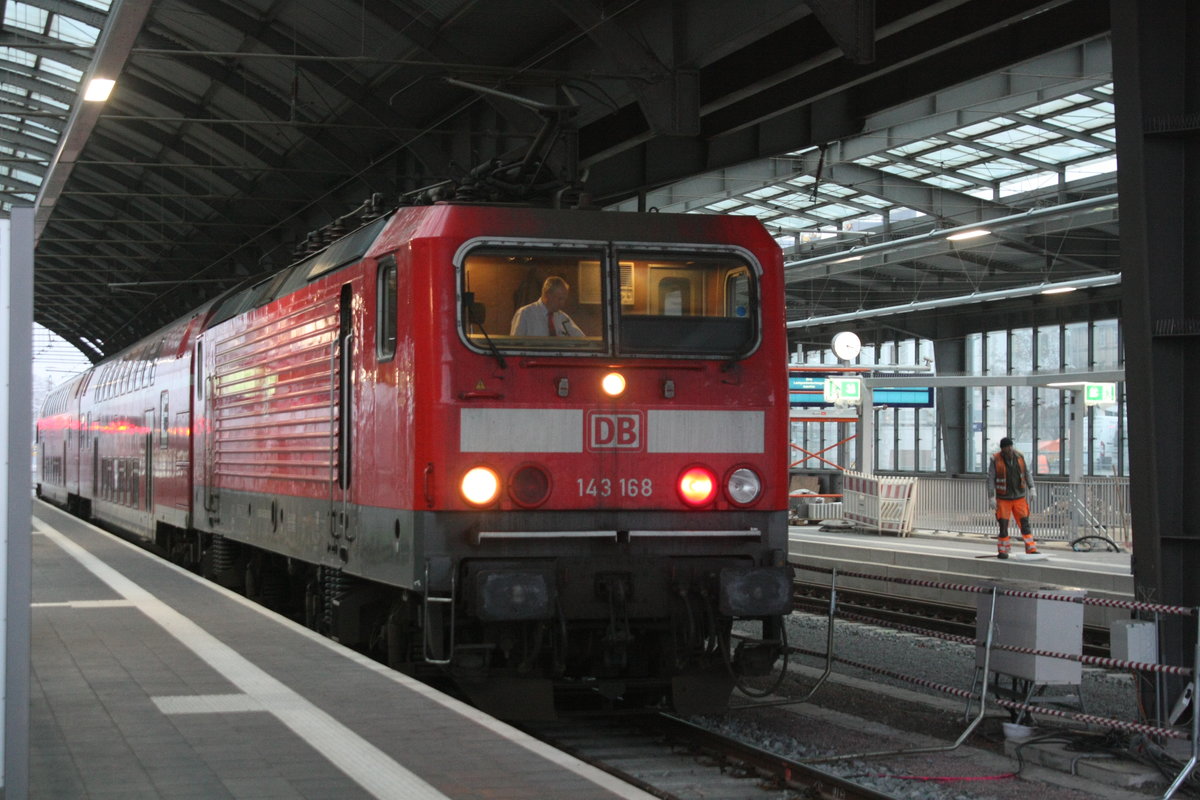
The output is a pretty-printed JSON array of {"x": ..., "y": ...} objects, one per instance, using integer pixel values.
[
  {"x": 1090, "y": 169},
  {"x": 863, "y": 223},
  {"x": 873, "y": 201},
  {"x": 794, "y": 200},
  {"x": 60, "y": 69},
  {"x": 756, "y": 211},
  {"x": 902, "y": 213},
  {"x": 48, "y": 101},
  {"x": 996, "y": 169},
  {"x": 765, "y": 192},
  {"x": 25, "y": 17},
  {"x": 1070, "y": 150},
  {"x": 953, "y": 156},
  {"x": 1018, "y": 138},
  {"x": 1029, "y": 183},
  {"x": 979, "y": 128},
  {"x": 946, "y": 181},
  {"x": 835, "y": 211},
  {"x": 914, "y": 147},
  {"x": 30, "y": 123},
  {"x": 836, "y": 190},
  {"x": 48, "y": 136},
  {"x": 72, "y": 30},
  {"x": 793, "y": 223},
  {"x": 1083, "y": 119},
  {"x": 28, "y": 177},
  {"x": 18, "y": 56},
  {"x": 724, "y": 205},
  {"x": 907, "y": 170},
  {"x": 1054, "y": 106}
]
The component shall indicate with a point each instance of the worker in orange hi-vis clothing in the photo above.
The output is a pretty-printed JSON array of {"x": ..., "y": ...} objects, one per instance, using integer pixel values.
[{"x": 1009, "y": 490}]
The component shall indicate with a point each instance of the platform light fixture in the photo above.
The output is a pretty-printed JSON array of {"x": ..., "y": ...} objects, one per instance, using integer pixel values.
[
  {"x": 1059, "y": 289},
  {"x": 974, "y": 233},
  {"x": 98, "y": 90}
]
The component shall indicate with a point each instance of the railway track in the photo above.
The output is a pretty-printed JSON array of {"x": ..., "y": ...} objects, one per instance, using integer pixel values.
[
  {"x": 673, "y": 759},
  {"x": 945, "y": 618}
]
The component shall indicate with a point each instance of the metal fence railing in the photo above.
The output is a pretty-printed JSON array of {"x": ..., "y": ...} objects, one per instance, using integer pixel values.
[{"x": 1060, "y": 511}]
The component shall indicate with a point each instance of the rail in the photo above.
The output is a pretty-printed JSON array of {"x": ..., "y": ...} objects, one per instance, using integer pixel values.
[{"x": 990, "y": 647}]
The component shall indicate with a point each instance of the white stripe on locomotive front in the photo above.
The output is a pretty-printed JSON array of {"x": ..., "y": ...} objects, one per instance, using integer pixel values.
[
  {"x": 516, "y": 430},
  {"x": 672, "y": 431}
]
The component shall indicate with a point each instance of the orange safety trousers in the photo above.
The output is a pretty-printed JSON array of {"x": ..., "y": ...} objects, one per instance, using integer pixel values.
[{"x": 1005, "y": 510}]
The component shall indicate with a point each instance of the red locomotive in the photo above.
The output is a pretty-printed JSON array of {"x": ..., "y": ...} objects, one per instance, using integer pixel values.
[{"x": 577, "y": 506}]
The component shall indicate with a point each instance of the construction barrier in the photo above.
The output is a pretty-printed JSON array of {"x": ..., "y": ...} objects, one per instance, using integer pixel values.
[
  {"x": 984, "y": 691},
  {"x": 883, "y": 504}
]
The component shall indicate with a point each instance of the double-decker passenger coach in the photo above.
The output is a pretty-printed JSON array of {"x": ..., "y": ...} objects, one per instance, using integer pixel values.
[{"x": 543, "y": 450}]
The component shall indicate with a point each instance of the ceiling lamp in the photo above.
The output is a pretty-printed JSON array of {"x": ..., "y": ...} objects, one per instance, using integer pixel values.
[
  {"x": 1059, "y": 289},
  {"x": 974, "y": 233},
  {"x": 98, "y": 90}
]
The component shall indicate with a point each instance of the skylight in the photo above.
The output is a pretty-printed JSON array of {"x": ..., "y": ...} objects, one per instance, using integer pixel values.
[
  {"x": 25, "y": 17},
  {"x": 74, "y": 31}
]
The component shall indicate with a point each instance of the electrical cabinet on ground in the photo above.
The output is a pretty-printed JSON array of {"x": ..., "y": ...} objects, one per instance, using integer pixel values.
[{"x": 1036, "y": 624}]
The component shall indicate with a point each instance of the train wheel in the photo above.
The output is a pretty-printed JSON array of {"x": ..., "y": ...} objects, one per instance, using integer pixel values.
[{"x": 403, "y": 636}]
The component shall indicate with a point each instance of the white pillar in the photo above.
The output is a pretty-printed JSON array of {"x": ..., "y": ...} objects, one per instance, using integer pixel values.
[
  {"x": 1078, "y": 413},
  {"x": 866, "y": 431},
  {"x": 16, "y": 311}
]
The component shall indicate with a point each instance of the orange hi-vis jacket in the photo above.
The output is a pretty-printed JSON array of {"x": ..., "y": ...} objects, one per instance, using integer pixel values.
[{"x": 1002, "y": 474}]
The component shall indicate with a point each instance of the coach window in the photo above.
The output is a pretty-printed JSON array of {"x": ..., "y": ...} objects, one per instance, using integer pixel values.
[
  {"x": 498, "y": 282},
  {"x": 704, "y": 304},
  {"x": 163, "y": 419},
  {"x": 386, "y": 309},
  {"x": 199, "y": 362}
]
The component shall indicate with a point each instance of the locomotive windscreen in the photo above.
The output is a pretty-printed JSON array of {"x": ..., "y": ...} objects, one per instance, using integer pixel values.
[{"x": 611, "y": 301}]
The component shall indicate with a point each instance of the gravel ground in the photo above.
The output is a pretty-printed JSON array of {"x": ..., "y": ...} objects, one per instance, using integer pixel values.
[{"x": 861, "y": 712}]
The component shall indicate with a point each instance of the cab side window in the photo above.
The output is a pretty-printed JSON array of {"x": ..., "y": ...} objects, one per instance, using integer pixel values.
[{"x": 385, "y": 323}]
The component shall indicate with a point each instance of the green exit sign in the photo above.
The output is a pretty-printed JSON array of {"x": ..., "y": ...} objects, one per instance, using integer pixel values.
[
  {"x": 843, "y": 390},
  {"x": 1098, "y": 394}
]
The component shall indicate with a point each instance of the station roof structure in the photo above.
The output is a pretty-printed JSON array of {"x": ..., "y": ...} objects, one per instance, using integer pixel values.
[{"x": 861, "y": 133}]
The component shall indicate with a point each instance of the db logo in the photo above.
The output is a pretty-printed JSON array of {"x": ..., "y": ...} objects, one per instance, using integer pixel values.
[{"x": 614, "y": 431}]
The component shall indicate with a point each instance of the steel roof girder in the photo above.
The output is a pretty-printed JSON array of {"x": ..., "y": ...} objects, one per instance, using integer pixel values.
[{"x": 124, "y": 21}]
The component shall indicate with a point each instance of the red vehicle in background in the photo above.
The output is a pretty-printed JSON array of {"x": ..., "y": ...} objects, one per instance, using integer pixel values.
[{"x": 364, "y": 440}]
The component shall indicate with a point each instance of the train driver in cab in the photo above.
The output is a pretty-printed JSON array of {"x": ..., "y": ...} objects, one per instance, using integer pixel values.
[{"x": 546, "y": 317}]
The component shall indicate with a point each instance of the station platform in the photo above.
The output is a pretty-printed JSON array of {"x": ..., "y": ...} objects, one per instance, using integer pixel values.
[
  {"x": 954, "y": 558},
  {"x": 147, "y": 681}
]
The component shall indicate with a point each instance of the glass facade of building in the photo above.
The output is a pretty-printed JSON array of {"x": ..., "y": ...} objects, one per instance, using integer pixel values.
[{"x": 911, "y": 440}]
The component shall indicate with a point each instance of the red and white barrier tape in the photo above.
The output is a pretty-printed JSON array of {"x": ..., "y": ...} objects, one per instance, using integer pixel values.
[
  {"x": 1090, "y": 719},
  {"x": 1132, "y": 605},
  {"x": 1096, "y": 661}
]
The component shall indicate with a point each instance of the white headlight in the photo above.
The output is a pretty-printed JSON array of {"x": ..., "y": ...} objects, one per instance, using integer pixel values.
[
  {"x": 480, "y": 486},
  {"x": 743, "y": 486},
  {"x": 613, "y": 384}
]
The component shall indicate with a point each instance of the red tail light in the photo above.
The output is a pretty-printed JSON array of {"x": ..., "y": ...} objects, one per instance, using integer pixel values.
[
  {"x": 697, "y": 486},
  {"x": 529, "y": 486}
]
